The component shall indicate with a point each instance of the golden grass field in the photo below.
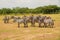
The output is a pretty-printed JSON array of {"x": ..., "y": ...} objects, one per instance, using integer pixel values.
[{"x": 12, "y": 32}]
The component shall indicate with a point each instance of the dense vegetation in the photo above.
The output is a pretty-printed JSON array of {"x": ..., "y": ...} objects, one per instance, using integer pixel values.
[{"x": 50, "y": 9}]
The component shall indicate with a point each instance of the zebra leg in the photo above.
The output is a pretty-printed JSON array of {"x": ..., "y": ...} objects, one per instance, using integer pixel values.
[
  {"x": 25, "y": 25},
  {"x": 51, "y": 25},
  {"x": 33, "y": 23},
  {"x": 7, "y": 21},
  {"x": 18, "y": 25},
  {"x": 45, "y": 25},
  {"x": 4, "y": 21},
  {"x": 39, "y": 24}
]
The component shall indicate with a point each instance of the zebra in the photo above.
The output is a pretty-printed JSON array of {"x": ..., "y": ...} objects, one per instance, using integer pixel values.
[
  {"x": 6, "y": 19},
  {"x": 25, "y": 21},
  {"x": 48, "y": 21}
]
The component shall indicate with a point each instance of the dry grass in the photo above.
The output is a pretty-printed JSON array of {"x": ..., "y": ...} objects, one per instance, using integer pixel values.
[{"x": 11, "y": 32}]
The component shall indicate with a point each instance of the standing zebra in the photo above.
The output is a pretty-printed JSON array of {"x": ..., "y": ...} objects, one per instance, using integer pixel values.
[
  {"x": 18, "y": 19},
  {"x": 39, "y": 19},
  {"x": 25, "y": 22},
  {"x": 32, "y": 18},
  {"x": 6, "y": 19},
  {"x": 48, "y": 22}
]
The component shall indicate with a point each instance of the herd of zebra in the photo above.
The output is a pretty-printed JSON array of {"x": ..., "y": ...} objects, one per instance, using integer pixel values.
[{"x": 47, "y": 21}]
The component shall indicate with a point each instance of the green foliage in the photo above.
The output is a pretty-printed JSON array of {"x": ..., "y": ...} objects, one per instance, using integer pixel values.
[{"x": 50, "y": 9}]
